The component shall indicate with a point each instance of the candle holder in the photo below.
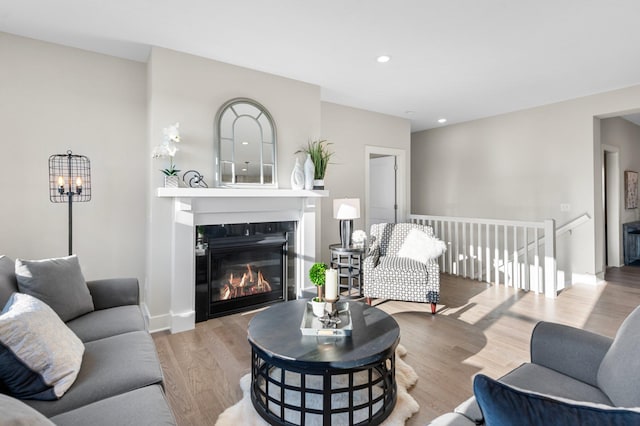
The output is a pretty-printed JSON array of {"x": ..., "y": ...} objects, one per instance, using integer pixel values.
[{"x": 331, "y": 307}]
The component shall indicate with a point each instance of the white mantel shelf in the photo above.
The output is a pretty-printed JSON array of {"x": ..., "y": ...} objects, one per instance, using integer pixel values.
[{"x": 239, "y": 192}]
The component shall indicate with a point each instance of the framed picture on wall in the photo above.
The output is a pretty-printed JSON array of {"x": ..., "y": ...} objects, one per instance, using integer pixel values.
[{"x": 630, "y": 190}]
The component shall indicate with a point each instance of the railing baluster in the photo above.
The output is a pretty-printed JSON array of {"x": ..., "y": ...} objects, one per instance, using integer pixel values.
[
  {"x": 480, "y": 252},
  {"x": 465, "y": 256},
  {"x": 496, "y": 256},
  {"x": 451, "y": 245},
  {"x": 472, "y": 253},
  {"x": 508, "y": 278},
  {"x": 516, "y": 266},
  {"x": 457, "y": 244},
  {"x": 527, "y": 272},
  {"x": 536, "y": 259},
  {"x": 488, "y": 253}
]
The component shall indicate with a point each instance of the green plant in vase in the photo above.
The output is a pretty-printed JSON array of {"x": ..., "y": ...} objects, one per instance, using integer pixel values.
[
  {"x": 320, "y": 155},
  {"x": 317, "y": 275}
]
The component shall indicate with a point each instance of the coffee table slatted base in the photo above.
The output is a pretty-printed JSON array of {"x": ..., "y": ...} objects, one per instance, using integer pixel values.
[{"x": 285, "y": 393}]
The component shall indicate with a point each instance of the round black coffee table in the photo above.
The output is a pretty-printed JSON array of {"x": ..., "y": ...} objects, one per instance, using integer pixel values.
[{"x": 299, "y": 379}]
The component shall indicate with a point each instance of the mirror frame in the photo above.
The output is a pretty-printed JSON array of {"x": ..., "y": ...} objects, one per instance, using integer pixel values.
[{"x": 218, "y": 149}]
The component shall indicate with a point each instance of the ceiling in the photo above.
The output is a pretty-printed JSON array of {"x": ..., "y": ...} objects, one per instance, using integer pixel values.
[{"x": 460, "y": 59}]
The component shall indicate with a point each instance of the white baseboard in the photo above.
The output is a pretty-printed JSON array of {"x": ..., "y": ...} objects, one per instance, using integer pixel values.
[
  {"x": 155, "y": 323},
  {"x": 183, "y": 321},
  {"x": 592, "y": 279}
]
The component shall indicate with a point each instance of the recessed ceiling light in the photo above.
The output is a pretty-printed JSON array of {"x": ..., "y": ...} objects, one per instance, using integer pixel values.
[
  {"x": 244, "y": 170},
  {"x": 245, "y": 143},
  {"x": 442, "y": 120},
  {"x": 383, "y": 58}
]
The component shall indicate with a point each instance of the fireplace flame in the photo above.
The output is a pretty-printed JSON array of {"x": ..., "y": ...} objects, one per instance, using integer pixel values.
[{"x": 249, "y": 283}]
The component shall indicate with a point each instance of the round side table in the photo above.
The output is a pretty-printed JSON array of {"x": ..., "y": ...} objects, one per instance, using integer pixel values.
[{"x": 348, "y": 262}]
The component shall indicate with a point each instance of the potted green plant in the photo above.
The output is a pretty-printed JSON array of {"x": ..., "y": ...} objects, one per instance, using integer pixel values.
[
  {"x": 317, "y": 275},
  {"x": 320, "y": 154}
]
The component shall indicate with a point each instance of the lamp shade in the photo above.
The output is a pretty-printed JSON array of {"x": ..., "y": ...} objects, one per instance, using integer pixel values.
[{"x": 346, "y": 208}]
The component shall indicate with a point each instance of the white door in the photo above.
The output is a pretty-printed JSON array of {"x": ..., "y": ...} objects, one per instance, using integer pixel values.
[{"x": 382, "y": 181}]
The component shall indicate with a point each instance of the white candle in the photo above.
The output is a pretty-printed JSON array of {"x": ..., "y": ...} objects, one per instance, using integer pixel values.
[{"x": 331, "y": 284}]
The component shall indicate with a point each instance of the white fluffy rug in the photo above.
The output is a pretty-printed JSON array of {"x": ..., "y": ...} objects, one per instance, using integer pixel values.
[{"x": 244, "y": 414}]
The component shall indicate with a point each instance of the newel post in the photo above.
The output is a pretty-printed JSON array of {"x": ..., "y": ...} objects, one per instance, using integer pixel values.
[{"x": 550, "y": 264}]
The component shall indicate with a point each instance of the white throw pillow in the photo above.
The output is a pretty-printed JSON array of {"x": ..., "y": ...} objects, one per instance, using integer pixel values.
[
  {"x": 421, "y": 247},
  {"x": 40, "y": 356}
]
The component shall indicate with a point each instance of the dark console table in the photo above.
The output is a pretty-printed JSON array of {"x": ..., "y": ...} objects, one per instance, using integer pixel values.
[
  {"x": 631, "y": 241},
  {"x": 298, "y": 379}
]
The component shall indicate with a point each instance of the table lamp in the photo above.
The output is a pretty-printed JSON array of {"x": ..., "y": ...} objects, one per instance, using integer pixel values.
[{"x": 345, "y": 210}]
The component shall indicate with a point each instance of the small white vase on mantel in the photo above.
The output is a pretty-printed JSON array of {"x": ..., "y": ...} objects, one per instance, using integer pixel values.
[
  {"x": 297, "y": 176},
  {"x": 308, "y": 173}
]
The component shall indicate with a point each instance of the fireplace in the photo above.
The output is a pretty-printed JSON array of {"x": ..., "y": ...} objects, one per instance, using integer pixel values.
[
  {"x": 193, "y": 208},
  {"x": 243, "y": 266}
]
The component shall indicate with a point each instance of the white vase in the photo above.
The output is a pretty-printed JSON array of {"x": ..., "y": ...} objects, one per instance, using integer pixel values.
[
  {"x": 308, "y": 173},
  {"x": 297, "y": 176}
]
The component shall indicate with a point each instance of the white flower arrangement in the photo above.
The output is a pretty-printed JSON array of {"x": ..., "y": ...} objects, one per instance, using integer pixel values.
[
  {"x": 168, "y": 148},
  {"x": 359, "y": 237}
]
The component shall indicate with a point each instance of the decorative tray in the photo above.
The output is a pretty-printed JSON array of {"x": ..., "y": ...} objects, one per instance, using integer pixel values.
[{"x": 312, "y": 325}]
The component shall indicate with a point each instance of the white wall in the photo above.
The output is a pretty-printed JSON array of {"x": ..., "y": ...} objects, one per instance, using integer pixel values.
[
  {"x": 523, "y": 165},
  {"x": 55, "y": 98},
  {"x": 190, "y": 90},
  {"x": 350, "y": 130}
]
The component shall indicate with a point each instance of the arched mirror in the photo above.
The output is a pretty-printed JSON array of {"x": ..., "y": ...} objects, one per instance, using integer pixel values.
[{"x": 246, "y": 144}]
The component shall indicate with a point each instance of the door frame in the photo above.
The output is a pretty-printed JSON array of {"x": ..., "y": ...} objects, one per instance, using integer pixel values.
[
  {"x": 401, "y": 179},
  {"x": 611, "y": 205}
]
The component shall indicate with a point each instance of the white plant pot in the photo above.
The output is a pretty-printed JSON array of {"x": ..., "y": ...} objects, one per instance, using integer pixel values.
[
  {"x": 318, "y": 308},
  {"x": 318, "y": 184},
  {"x": 171, "y": 182}
]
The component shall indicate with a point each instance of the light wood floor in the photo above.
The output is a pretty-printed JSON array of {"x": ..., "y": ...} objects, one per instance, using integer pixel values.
[{"x": 478, "y": 328}]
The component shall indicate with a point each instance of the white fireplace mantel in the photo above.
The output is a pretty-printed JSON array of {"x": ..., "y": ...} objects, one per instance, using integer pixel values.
[
  {"x": 215, "y": 206},
  {"x": 239, "y": 192}
]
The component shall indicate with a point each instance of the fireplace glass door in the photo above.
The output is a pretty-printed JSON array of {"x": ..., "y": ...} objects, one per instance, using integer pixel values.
[{"x": 246, "y": 272}]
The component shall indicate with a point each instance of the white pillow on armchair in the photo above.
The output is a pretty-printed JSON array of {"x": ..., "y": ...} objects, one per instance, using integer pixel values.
[{"x": 421, "y": 247}]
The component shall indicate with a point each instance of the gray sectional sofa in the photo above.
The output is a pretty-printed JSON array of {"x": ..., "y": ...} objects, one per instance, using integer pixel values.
[
  {"x": 120, "y": 380},
  {"x": 575, "y": 377}
]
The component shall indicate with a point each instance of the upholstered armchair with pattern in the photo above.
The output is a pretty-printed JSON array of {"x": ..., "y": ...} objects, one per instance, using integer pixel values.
[{"x": 401, "y": 263}]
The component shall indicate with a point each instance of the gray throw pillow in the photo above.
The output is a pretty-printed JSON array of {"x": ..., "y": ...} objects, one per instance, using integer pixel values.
[
  {"x": 57, "y": 282},
  {"x": 14, "y": 412},
  {"x": 40, "y": 356},
  {"x": 8, "y": 283}
]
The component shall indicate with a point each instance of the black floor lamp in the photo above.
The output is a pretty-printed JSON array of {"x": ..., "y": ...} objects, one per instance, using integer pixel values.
[{"x": 69, "y": 181}]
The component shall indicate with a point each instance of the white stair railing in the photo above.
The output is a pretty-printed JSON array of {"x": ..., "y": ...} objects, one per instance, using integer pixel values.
[{"x": 494, "y": 250}]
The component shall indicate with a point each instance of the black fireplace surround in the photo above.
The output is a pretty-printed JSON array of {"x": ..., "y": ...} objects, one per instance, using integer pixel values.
[{"x": 243, "y": 266}]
